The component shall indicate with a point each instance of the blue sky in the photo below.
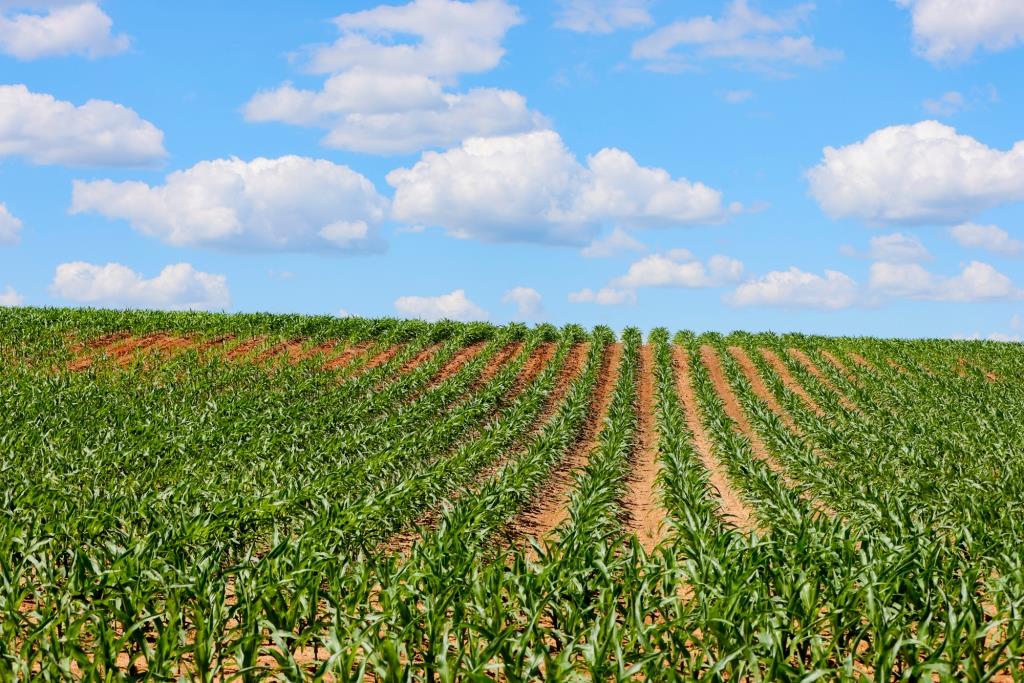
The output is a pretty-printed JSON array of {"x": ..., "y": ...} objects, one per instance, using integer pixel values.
[{"x": 835, "y": 167}]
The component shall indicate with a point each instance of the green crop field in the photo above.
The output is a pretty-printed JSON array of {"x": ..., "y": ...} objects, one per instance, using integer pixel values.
[{"x": 243, "y": 497}]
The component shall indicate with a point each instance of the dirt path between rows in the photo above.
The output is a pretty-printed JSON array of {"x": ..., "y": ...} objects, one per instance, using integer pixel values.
[
  {"x": 643, "y": 499},
  {"x": 761, "y": 389},
  {"x": 839, "y": 365},
  {"x": 789, "y": 381},
  {"x": 550, "y": 506},
  {"x": 346, "y": 356},
  {"x": 733, "y": 408},
  {"x": 812, "y": 368},
  {"x": 862, "y": 361},
  {"x": 732, "y": 508},
  {"x": 456, "y": 363}
]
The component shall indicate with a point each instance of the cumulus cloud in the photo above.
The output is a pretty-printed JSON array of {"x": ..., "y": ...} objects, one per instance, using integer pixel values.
[
  {"x": 952, "y": 30},
  {"x": 606, "y": 296},
  {"x": 679, "y": 268},
  {"x": 527, "y": 302},
  {"x": 603, "y": 16},
  {"x": 614, "y": 243},
  {"x": 977, "y": 281},
  {"x": 895, "y": 248},
  {"x": 9, "y": 297},
  {"x": 385, "y": 94},
  {"x": 530, "y": 188},
  {"x": 452, "y": 306},
  {"x": 742, "y": 34},
  {"x": 989, "y": 237},
  {"x": 10, "y": 227},
  {"x": 177, "y": 287},
  {"x": 46, "y": 130},
  {"x": 286, "y": 204},
  {"x": 795, "y": 288},
  {"x": 49, "y": 29},
  {"x": 914, "y": 174}
]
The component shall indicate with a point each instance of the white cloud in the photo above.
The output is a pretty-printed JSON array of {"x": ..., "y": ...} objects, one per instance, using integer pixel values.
[
  {"x": 947, "y": 104},
  {"x": 913, "y": 174},
  {"x": 46, "y": 130},
  {"x": 895, "y": 248},
  {"x": 952, "y": 30},
  {"x": 9, "y": 297},
  {"x": 452, "y": 306},
  {"x": 10, "y": 227},
  {"x": 527, "y": 301},
  {"x": 603, "y": 16},
  {"x": 177, "y": 287},
  {"x": 737, "y": 96},
  {"x": 606, "y": 296},
  {"x": 530, "y": 188},
  {"x": 286, "y": 204},
  {"x": 679, "y": 269},
  {"x": 977, "y": 281},
  {"x": 990, "y": 237},
  {"x": 613, "y": 244},
  {"x": 79, "y": 28},
  {"x": 742, "y": 34},
  {"x": 386, "y": 95},
  {"x": 798, "y": 289}
]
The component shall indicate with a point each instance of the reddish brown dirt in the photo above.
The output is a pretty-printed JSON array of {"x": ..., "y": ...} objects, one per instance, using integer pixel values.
[
  {"x": 420, "y": 358},
  {"x": 806, "y": 361},
  {"x": 383, "y": 357},
  {"x": 896, "y": 366},
  {"x": 838, "y": 365},
  {"x": 346, "y": 356},
  {"x": 862, "y": 361},
  {"x": 733, "y": 408},
  {"x": 244, "y": 349},
  {"x": 321, "y": 349},
  {"x": 279, "y": 349},
  {"x": 787, "y": 378},
  {"x": 497, "y": 363},
  {"x": 218, "y": 343},
  {"x": 119, "y": 353},
  {"x": 549, "y": 507},
  {"x": 732, "y": 507},
  {"x": 643, "y": 501},
  {"x": 761, "y": 389},
  {"x": 457, "y": 362}
]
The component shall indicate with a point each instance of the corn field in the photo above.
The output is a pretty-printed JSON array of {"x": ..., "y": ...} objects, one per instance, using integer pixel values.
[{"x": 214, "y": 497}]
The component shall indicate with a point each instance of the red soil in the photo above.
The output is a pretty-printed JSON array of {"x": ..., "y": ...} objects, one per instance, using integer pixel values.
[
  {"x": 346, "y": 356},
  {"x": 760, "y": 388},
  {"x": 787, "y": 378},
  {"x": 643, "y": 501},
  {"x": 806, "y": 361}
]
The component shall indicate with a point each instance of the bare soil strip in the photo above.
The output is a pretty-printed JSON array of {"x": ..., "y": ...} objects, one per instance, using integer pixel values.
[
  {"x": 732, "y": 507},
  {"x": 321, "y": 349},
  {"x": 550, "y": 506},
  {"x": 346, "y": 356},
  {"x": 643, "y": 501},
  {"x": 761, "y": 389},
  {"x": 838, "y": 365},
  {"x": 806, "y": 361},
  {"x": 733, "y": 408},
  {"x": 896, "y": 366},
  {"x": 862, "y": 361},
  {"x": 497, "y": 363},
  {"x": 383, "y": 357},
  {"x": 790, "y": 381},
  {"x": 246, "y": 348},
  {"x": 457, "y": 361}
]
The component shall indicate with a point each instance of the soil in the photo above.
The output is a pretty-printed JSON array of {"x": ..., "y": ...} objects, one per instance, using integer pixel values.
[
  {"x": 838, "y": 365},
  {"x": 761, "y": 389},
  {"x": 808, "y": 363},
  {"x": 862, "y": 361},
  {"x": 458, "y": 360},
  {"x": 346, "y": 356},
  {"x": 643, "y": 501},
  {"x": 732, "y": 507},
  {"x": 791, "y": 383},
  {"x": 549, "y": 507}
]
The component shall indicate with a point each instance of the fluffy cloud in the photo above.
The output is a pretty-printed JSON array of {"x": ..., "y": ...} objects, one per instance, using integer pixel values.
[
  {"x": 606, "y": 296},
  {"x": 602, "y": 16},
  {"x": 527, "y": 302},
  {"x": 798, "y": 289},
  {"x": 9, "y": 297},
  {"x": 66, "y": 28},
  {"x": 913, "y": 174},
  {"x": 679, "y": 268},
  {"x": 895, "y": 248},
  {"x": 952, "y": 30},
  {"x": 613, "y": 244},
  {"x": 177, "y": 287},
  {"x": 46, "y": 130},
  {"x": 452, "y": 306},
  {"x": 386, "y": 96},
  {"x": 742, "y": 34},
  {"x": 990, "y": 237},
  {"x": 530, "y": 188},
  {"x": 977, "y": 281},
  {"x": 10, "y": 227},
  {"x": 287, "y": 204}
]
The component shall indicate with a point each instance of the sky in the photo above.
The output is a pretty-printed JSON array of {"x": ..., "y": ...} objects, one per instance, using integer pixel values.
[{"x": 844, "y": 167}]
